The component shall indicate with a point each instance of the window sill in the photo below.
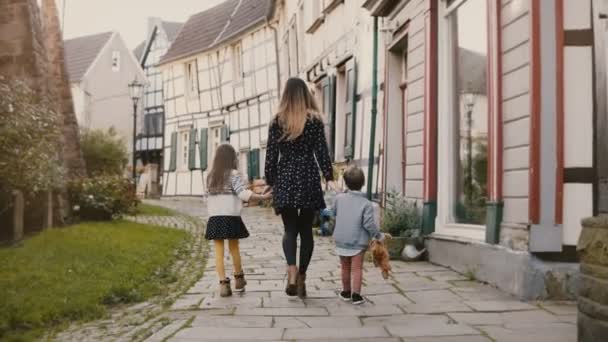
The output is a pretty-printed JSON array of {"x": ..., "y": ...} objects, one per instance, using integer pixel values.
[{"x": 316, "y": 24}]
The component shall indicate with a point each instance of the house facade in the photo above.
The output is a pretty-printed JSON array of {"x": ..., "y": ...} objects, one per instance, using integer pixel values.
[
  {"x": 493, "y": 116},
  {"x": 100, "y": 67},
  {"x": 328, "y": 43},
  {"x": 220, "y": 80},
  {"x": 150, "y": 123}
]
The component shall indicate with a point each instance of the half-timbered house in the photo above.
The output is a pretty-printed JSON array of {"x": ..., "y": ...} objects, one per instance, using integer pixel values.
[{"x": 220, "y": 80}]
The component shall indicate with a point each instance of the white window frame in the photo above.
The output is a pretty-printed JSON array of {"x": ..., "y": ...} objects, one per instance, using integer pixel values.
[
  {"x": 237, "y": 62},
  {"x": 445, "y": 222},
  {"x": 116, "y": 60},
  {"x": 191, "y": 79}
]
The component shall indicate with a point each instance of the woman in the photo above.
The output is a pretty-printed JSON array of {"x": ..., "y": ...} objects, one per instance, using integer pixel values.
[{"x": 297, "y": 148}]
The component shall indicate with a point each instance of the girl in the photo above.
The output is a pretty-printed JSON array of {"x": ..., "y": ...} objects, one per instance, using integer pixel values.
[
  {"x": 226, "y": 194},
  {"x": 297, "y": 148}
]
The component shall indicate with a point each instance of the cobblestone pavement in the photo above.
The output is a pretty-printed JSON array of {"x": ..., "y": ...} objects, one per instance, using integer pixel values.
[{"x": 419, "y": 302}]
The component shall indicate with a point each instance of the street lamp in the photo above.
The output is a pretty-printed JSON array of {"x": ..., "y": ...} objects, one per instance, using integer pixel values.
[
  {"x": 469, "y": 103},
  {"x": 135, "y": 92}
]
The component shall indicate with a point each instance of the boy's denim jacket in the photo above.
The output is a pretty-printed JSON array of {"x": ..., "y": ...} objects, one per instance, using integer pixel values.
[{"x": 355, "y": 224}]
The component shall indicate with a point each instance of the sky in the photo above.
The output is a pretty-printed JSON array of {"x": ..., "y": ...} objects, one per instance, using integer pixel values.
[{"x": 128, "y": 17}]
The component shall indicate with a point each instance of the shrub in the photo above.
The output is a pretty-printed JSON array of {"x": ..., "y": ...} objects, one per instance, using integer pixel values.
[
  {"x": 104, "y": 152},
  {"x": 30, "y": 136},
  {"x": 401, "y": 216},
  {"x": 103, "y": 197}
]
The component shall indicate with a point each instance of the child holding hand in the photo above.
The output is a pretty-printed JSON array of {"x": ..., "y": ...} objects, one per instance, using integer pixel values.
[
  {"x": 355, "y": 227},
  {"x": 227, "y": 191}
]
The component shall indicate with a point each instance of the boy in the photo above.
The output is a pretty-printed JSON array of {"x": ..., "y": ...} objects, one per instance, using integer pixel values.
[{"x": 355, "y": 227}]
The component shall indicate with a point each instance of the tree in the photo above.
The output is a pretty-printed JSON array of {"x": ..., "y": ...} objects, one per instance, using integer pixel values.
[
  {"x": 104, "y": 152},
  {"x": 30, "y": 135}
]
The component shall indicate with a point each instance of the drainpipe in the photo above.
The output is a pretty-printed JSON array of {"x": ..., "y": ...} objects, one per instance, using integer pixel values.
[
  {"x": 276, "y": 51},
  {"x": 372, "y": 139}
]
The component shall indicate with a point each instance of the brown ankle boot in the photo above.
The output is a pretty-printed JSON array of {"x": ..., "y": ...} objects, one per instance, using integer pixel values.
[
  {"x": 239, "y": 282},
  {"x": 225, "y": 290},
  {"x": 291, "y": 288},
  {"x": 301, "y": 285}
]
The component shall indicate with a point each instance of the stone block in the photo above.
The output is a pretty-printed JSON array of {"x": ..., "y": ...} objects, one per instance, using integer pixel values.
[
  {"x": 242, "y": 311},
  {"x": 334, "y": 333},
  {"x": 203, "y": 320},
  {"x": 317, "y": 322},
  {"x": 424, "y": 325},
  {"x": 215, "y": 334},
  {"x": 436, "y": 307},
  {"x": 499, "y": 306},
  {"x": 433, "y": 296},
  {"x": 545, "y": 332}
]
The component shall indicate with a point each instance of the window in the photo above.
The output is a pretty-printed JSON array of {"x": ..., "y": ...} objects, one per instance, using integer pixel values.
[
  {"x": 468, "y": 55},
  {"x": 237, "y": 62},
  {"x": 293, "y": 50},
  {"x": 115, "y": 61},
  {"x": 301, "y": 46},
  {"x": 191, "y": 80}
]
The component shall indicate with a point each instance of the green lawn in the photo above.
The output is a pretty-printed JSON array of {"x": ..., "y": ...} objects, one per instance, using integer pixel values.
[
  {"x": 153, "y": 210},
  {"x": 72, "y": 274}
]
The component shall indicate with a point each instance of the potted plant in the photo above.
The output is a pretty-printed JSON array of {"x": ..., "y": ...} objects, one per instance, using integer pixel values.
[{"x": 402, "y": 220}]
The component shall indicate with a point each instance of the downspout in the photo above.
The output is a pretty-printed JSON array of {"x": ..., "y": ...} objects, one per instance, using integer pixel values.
[
  {"x": 276, "y": 52},
  {"x": 372, "y": 139}
]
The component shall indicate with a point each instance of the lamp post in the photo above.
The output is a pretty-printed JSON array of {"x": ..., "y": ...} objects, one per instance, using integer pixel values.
[
  {"x": 469, "y": 103},
  {"x": 135, "y": 92}
]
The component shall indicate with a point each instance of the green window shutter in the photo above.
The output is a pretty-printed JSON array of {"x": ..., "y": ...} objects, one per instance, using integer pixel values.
[
  {"x": 255, "y": 164},
  {"x": 173, "y": 156},
  {"x": 332, "y": 116},
  {"x": 192, "y": 150},
  {"x": 225, "y": 134},
  {"x": 351, "y": 106},
  {"x": 203, "y": 148}
]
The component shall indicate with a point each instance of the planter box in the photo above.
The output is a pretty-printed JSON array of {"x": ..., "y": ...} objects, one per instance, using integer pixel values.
[{"x": 395, "y": 246}]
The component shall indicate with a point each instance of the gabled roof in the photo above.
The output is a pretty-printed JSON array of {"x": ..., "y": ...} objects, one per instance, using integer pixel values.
[
  {"x": 208, "y": 29},
  {"x": 170, "y": 28},
  {"x": 81, "y": 52}
]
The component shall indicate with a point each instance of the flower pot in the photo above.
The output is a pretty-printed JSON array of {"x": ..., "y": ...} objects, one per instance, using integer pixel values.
[
  {"x": 413, "y": 250},
  {"x": 395, "y": 245}
]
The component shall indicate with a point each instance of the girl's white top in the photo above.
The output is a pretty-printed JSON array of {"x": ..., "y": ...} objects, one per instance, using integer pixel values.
[{"x": 229, "y": 202}]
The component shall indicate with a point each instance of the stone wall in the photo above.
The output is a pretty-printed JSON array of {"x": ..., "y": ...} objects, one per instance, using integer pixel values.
[{"x": 31, "y": 49}]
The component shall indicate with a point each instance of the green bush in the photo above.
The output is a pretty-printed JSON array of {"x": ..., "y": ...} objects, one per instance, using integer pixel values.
[
  {"x": 30, "y": 136},
  {"x": 401, "y": 216},
  {"x": 104, "y": 152},
  {"x": 103, "y": 197}
]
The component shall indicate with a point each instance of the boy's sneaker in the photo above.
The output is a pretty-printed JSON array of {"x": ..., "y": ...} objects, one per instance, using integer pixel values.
[
  {"x": 345, "y": 296},
  {"x": 357, "y": 299}
]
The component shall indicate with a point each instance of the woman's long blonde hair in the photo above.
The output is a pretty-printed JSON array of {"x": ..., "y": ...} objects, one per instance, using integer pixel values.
[{"x": 297, "y": 105}]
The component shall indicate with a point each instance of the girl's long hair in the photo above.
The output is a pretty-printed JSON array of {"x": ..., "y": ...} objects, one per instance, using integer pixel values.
[
  {"x": 224, "y": 162},
  {"x": 296, "y": 106}
]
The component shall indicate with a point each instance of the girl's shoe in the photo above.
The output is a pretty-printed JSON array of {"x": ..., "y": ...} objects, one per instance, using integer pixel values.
[
  {"x": 357, "y": 299},
  {"x": 301, "y": 285},
  {"x": 225, "y": 290},
  {"x": 291, "y": 289},
  {"x": 239, "y": 282},
  {"x": 345, "y": 296}
]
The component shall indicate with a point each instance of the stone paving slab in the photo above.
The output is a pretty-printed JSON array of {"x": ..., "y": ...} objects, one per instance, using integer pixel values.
[{"x": 420, "y": 302}]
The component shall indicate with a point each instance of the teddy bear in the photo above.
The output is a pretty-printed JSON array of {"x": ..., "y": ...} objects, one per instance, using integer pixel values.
[{"x": 380, "y": 255}]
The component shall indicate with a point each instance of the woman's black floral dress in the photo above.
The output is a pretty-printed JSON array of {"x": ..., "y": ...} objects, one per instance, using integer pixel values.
[{"x": 292, "y": 167}]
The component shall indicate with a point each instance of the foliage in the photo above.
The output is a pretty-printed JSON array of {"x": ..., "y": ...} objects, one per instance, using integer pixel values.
[
  {"x": 153, "y": 210},
  {"x": 472, "y": 207},
  {"x": 30, "y": 136},
  {"x": 103, "y": 197},
  {"x": 104, "y": 152},
  {"x": 68, "y": 274},
  {"x": 401, "y": 216}
]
